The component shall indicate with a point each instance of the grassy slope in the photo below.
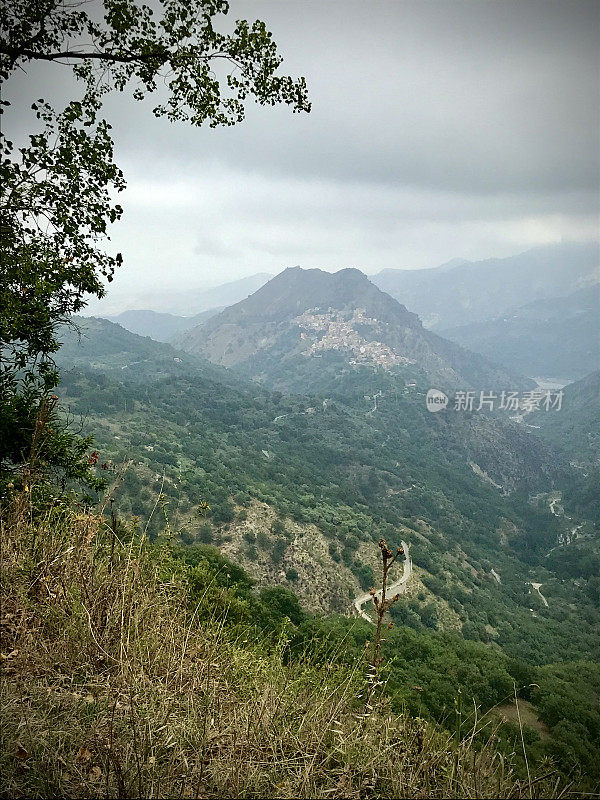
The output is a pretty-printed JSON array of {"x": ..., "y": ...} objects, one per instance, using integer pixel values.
[{"x": 122, "y": 679}]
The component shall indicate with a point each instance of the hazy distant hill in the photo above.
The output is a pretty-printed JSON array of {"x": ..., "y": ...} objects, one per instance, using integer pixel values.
[
  {"x": 555, "y": 337},
  {"x": 160, "y": 326},
  {"x": 575, "y": 430},
  {"x": 476, "y": 291},
  {"x": 186, "y": 308},
  {"x": 305, "y": 325},
  {"x": 192, "y": 301},
  {"x": 96, "y": 344}
]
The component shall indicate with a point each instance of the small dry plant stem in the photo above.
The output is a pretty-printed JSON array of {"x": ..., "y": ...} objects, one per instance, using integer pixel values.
[
  {"x": 382, "y": 606},
  {"x": 522, "y": 739}
]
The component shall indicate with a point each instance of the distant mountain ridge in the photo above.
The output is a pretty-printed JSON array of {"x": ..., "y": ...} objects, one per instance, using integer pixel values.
[
  {"x": 555, "y": 337},
  {"x": 305, "y": 320},
  {"x": 184, "y": 300},
  {"x": 195, "y": 301},
  {"x": 476, "y": 291},
  {"x": 186, "y": 310},
  {"x": 455, "y": 294},
  {"x": 158, "y": 325}
]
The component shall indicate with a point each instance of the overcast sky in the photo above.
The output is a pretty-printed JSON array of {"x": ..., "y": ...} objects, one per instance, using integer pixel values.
[{"x": 438, "y": 130}]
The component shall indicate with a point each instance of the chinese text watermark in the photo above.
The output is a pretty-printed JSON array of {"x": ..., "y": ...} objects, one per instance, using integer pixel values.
[{"x": 518, "y": 402}]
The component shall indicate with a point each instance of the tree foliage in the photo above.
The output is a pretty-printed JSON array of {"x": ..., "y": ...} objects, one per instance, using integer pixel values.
[{"x": 56, "y": 200}]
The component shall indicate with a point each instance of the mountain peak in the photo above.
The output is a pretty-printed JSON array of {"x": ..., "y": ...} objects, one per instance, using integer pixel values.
[
  {"x": 306, "y": 324},
  {"x": 296, "y": 290}
]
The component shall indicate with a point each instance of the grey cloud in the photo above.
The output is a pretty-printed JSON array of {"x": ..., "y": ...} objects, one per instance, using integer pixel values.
[
  {"x": 439, "y": 129},
  {"x": 482, "y": 97}
]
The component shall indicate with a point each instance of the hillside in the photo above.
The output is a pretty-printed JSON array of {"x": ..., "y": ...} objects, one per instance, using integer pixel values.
[
  {"x": 297, "y": 490},
  {"x": 574, "y": 435},
  {"x": 554, "y": 338},
  {"x": 479, "y": 291},
  {"x": 278, "y": 519},
  {"x": 96, "y": 344},
  {"x": 300, "y": 488},
  {"x": 337, "y": 475},
  {"x": 576, "y": 430},
  {"x": 135, "y": 670},
  {"x": 305, "y": 328},
  {"x": 160, "y": 326}
]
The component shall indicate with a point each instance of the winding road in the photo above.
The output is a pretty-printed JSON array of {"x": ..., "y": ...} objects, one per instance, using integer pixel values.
[
  {"x": 537, "y": 587},
  {"x": 553, "y": 503},
  {"x": 562, "y": 538},
  {"x": 398, "y": 587}
]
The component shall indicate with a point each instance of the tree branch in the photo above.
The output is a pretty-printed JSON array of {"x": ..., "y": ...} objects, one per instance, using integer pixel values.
[
  {"x": 113, "y": 58},
  {"x": 127, "y": 58}
]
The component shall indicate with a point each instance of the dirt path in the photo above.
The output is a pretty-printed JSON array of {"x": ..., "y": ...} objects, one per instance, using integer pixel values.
[
  {"x": 565, "y": 538},
  {"x": 553, "y": 503},
  {"x": 398, "y": 587},
  {"x": 537, "y": 587}
]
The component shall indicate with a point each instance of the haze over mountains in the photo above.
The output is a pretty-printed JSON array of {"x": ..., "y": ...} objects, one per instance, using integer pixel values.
[
  {"x": 476, "y": 291},
  {"x": 159, "y": 325},
  {"x": 306, "y": 324},
  {"x": 190, "y": 308},
  {"x": 535, "y": 313},
  {"x": 556, "y": 337},
  {"x": 182, "y": 304}
]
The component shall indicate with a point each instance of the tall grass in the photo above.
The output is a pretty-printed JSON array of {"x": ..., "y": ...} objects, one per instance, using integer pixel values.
[{"x": 114, "y": 686}]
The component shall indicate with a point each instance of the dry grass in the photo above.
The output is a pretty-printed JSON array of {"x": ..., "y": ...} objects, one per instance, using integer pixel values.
[{"x": 114, "y": 688}]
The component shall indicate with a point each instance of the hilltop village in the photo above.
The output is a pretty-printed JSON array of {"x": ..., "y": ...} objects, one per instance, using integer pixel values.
[{"x": 338, "y": 333}]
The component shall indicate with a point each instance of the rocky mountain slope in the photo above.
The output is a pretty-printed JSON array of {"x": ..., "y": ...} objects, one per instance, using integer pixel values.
[{"x": 304, "y": 324}]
